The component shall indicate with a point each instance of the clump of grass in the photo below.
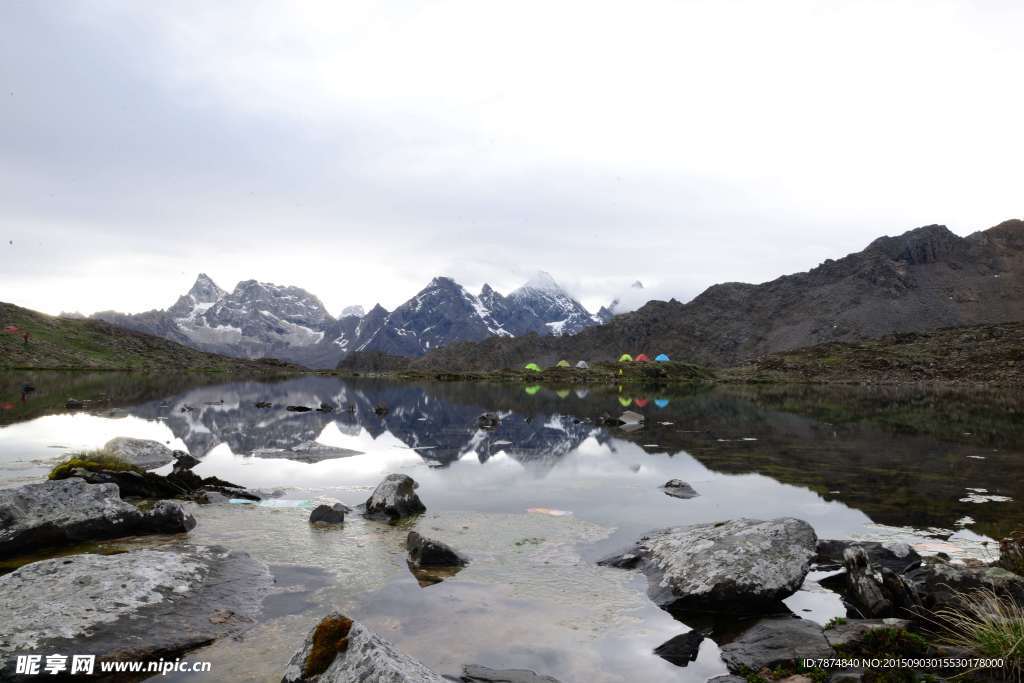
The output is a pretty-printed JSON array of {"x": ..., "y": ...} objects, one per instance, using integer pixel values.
[
  {"x": 987, "y": 624},
  {"x": 835, "y": 621},
  {"x": 92, "y": 460}
]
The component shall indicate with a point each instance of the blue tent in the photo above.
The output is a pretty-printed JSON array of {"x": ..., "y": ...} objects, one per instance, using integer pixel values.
[
  {"x": 662, "y": 358},
  {"x": 661, "y": 402}
]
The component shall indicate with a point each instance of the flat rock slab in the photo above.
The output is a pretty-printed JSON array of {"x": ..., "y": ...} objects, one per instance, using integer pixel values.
[
  {"x": 308, "y": 451},
  {"x": 136, "y": 605},
  {"x": 853, "y": 630},
  {"x": 144, "y": 453},
  {"x": 67, "y": 511},
  {"x": 775, "y": 640},
  {"x": 473, "y": 673},
  {"x": 354, "y": 655},
  {"x": 895, "y": 556},
  {"x": 743, "y": 564}
]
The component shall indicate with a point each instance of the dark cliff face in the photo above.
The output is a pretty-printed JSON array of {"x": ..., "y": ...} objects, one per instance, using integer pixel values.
[{"x": 925, "y": 279}]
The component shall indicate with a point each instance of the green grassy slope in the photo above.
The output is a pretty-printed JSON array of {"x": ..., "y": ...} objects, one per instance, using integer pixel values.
[{"x": 66, "y": 344}]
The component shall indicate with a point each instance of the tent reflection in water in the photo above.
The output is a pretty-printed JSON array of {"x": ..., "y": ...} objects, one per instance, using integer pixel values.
[
  {"x": 533, "y": 367},
  {"x": 562, "y": 393},
  {"x": 532, "y": 389},
  {"x": 625, "y": 401},
  {"x": 662, "y": 358},
  {"x": 661, "y": 402}
]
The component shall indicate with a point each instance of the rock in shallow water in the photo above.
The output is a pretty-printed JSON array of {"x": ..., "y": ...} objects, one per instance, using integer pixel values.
[
  {"x": 136, "y": 605},
  {"x": 395, "y": 497},
  {"x": 328, "y": 514},
  {"x": 772, "y": 641},
  {"x": 677, "y": 488},
  {"x": 426, "y": 552},
  {"x": 472, "y": 673},
  {"x": 144, "y": 453},
  {"x": 742, "y": 564},
  {"x": 67, "y": 511},
  {"x": 339, "y": 650}
]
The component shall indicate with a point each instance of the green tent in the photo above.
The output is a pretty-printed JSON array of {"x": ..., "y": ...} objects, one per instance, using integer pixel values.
[
  {"x": 532, "y": 367},
  {"x": 562, "y": 364},
  {"x": 531, "y": 390},
  {"x": 625, "y": 358}
]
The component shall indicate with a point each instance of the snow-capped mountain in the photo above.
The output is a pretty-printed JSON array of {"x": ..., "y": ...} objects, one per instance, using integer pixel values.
[
  {"x": 542, "y": 306},
  {"x": 260, "y": 319}
]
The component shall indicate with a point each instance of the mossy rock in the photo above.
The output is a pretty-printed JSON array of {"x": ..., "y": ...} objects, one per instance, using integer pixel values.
[
  {"x": 94, "y": 461},
  {"x": 329, "y": 639}
]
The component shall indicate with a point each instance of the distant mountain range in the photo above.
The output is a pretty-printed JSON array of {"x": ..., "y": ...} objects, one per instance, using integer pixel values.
[
  {"x": 259, "y": 319},
  {"x": 922, "y": 280}
]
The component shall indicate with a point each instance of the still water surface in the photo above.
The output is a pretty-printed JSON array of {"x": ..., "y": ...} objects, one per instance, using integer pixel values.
[{"x": 534, "y": 502}]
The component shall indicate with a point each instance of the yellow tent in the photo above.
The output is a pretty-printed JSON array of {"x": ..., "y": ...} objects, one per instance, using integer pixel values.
[{"x": 562, "y": 364}]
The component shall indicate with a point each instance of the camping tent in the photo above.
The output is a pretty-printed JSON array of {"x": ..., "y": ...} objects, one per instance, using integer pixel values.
[
  {"x": 662, "y": 358},
  {"x": 642, "y": 358},
  {"x": 661, "y": 402},
  {"x": 625, "y": 358},
  {"x": 582, "y": 365},
  {"x": 562, "y": 364},
  {"x": 532, "y": 366}
]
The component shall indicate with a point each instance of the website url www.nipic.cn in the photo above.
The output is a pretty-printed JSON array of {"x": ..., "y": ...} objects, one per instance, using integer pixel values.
[{"x": 86, "y": 665}]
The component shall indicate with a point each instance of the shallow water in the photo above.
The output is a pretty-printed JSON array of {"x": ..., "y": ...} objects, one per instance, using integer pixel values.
[{"x": 534, "y": 502}]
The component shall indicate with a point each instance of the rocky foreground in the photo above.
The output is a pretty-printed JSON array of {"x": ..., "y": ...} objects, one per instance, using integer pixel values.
[{"x": 727, "y": 580}]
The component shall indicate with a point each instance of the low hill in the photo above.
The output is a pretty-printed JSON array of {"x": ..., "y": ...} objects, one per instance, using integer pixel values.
[
  {"x": 70, "y": 343},
  {"x": 979, "y": 354},
  {"x": 924, "y": 279}
]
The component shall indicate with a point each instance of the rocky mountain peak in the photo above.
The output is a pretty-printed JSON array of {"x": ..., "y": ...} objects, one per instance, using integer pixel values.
[
  {"x": 205, "y": 290},
  {"x": 356, "y": 311},
  {"x": 541, "y": 281},
  {"x": 927, "y": 244}
]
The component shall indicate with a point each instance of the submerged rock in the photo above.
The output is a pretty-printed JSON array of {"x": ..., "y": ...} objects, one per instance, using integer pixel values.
[
  {"x": 682, "y": 649},
  {"x": 74, "y": 404},
  {"x": 631, "y": 417},
  {"x": 426, "y": 552},
  {"x": 677, "y": 488},
  {"x": 771, "y": 641},
  {"x": 339, "y": 650},
  {"x": 328, "y": 514},
  {"x": 68, "y": 511},
  {"x": 307, "y": 451},
  {"x": 395, "y": 497},
  {"x": 472, "y": 673},
  {"x": 144, "y": 453},
  {"x": 130, "y": 606},
  {"x": 743, "y": 564},
  {"x": 298, "y": 409}
]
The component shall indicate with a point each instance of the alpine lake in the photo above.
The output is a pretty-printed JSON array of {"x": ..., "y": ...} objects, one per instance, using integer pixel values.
[{"x": 533, "y": 502}]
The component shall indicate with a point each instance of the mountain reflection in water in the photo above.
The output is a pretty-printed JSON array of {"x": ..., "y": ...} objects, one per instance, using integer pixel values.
[{"x": 854, "y": 462}]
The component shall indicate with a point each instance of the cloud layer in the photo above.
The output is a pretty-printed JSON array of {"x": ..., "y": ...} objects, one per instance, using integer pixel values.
[{"x": 358, "y": 149}]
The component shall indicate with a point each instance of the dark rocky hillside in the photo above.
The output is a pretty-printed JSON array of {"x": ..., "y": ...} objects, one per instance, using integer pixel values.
[
  {"x": 922, "y": 280},
  {"x": 66, "y": 343}
]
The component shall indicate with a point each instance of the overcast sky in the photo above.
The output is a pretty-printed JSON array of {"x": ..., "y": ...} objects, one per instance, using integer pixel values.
[{"x": 358, "y": 149}]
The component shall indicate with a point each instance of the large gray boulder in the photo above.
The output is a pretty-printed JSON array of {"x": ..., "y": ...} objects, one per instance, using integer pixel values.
[
  {"x": 339, "y": 650},
  {"x": 137, "y": 605},
  {"x": 144, "y": 453},
  {"x": 743, "y": 564},
  {"x": 395, "y": 497},
  {"x": 65, "y": 511},
  {"x": 771, "y": 641}
]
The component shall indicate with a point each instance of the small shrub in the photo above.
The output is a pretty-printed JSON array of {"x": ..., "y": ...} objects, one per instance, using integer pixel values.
[
  {"x": 92, "y": 460},
  {"x": 835, "y": 621},
  {"x": 987, "y": 624}
]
